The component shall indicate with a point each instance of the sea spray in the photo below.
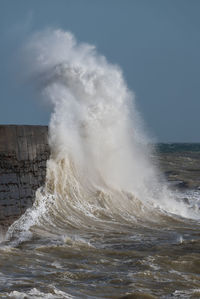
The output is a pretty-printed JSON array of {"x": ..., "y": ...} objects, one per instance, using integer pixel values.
[{"x": 99, "y": 170}]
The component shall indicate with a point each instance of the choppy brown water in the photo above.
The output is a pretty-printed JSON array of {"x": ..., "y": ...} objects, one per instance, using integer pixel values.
[{"x": 153, "y": 257}]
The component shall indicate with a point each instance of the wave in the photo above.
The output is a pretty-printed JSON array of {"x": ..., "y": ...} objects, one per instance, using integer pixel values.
[{"x": 99, "y": 171}]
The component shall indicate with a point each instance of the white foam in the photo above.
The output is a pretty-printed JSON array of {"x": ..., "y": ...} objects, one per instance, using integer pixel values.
[{"x": 35, "y": 293}]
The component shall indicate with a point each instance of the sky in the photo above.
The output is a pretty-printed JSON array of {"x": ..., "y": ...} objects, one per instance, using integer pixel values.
[{"x": 155, "y": 42}]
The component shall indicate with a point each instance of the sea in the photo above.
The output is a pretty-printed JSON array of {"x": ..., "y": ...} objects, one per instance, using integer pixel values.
[
  {"x": 118, "y": 216},
  {"x": 147, "y": 258}
]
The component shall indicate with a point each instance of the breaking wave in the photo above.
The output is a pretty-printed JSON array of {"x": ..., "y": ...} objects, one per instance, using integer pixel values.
[{"x": 99, "y": 172}]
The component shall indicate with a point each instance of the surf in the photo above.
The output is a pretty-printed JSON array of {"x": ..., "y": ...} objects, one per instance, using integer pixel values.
[{"x": 100, "y": 171}]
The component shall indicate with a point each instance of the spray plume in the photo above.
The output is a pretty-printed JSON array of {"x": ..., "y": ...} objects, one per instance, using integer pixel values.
[{"x": 99, "y": 167}]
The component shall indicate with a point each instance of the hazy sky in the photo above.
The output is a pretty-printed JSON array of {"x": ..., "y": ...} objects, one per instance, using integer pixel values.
[{"x": 156, "y": 43}]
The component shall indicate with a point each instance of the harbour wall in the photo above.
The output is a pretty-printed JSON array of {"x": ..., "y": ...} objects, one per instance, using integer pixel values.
[{"x": 24, "y": 151}]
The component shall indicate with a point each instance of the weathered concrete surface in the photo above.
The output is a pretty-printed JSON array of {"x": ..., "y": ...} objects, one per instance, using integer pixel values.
[{"x": 24, "y": 151}]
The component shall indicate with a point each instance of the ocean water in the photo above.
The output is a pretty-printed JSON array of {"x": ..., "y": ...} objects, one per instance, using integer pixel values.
[
  {"x": 117, "y": 217},
  {"x": 158, "y": 256}
]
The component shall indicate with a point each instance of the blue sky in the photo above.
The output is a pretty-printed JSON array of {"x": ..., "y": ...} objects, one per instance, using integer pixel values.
[{"x": 155, "y": 42}]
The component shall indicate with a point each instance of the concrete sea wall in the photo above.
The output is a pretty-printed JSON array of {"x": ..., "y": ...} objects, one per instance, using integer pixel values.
[{"x": 24, "y": 151}]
